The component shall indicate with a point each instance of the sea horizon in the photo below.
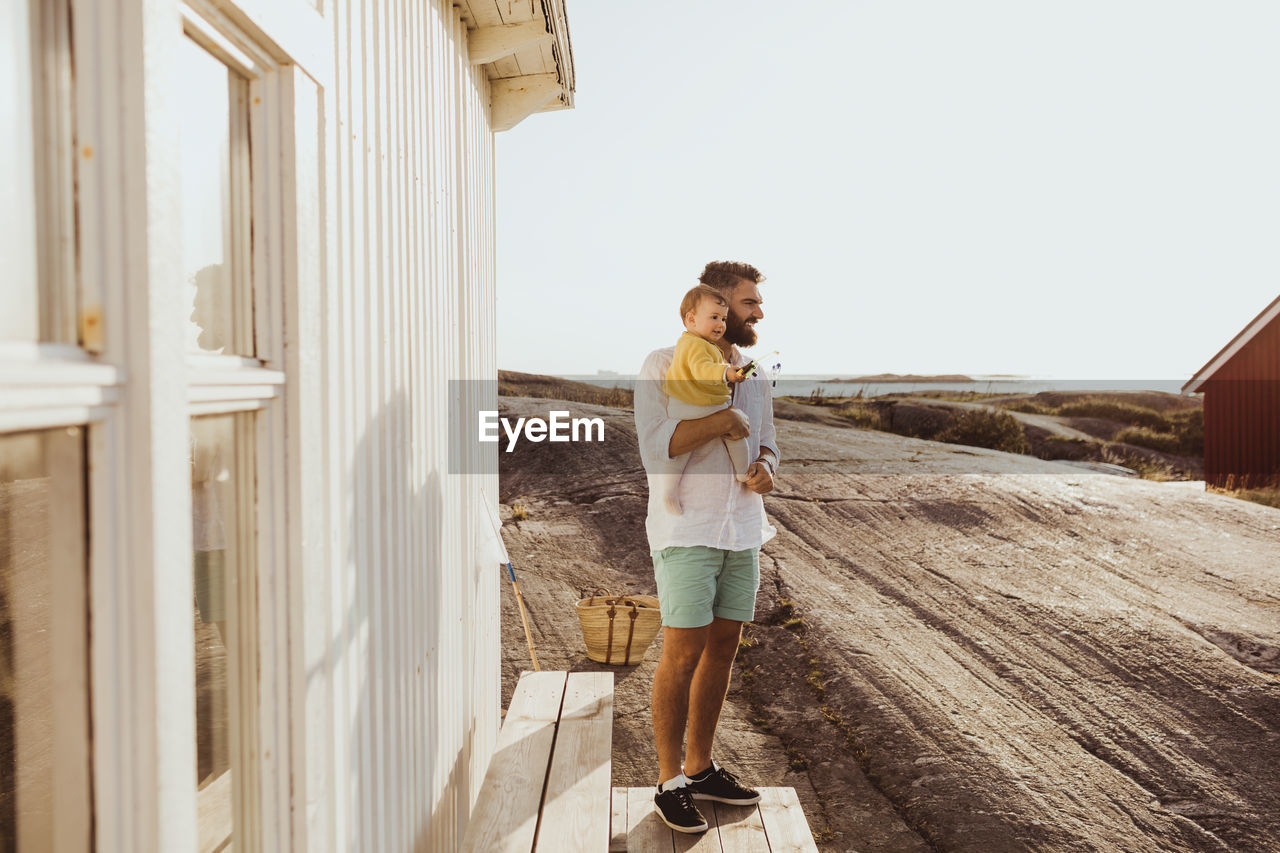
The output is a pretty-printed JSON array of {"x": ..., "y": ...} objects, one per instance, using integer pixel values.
[{"x": 802, "y": 385}]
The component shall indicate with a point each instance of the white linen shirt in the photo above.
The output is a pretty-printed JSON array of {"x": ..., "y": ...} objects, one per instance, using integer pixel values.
[{"x": 719, "y": 512}]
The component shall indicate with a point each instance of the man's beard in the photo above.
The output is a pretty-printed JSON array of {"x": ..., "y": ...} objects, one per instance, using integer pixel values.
[{"x": 738, "y": 333}]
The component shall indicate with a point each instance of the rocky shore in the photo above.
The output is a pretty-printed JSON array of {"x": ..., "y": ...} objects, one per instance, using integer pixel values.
[{"x": 955, "y": 649}]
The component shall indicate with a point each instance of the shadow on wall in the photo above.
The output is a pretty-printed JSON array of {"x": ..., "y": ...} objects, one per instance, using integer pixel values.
[{"x": 381, "y": 659}]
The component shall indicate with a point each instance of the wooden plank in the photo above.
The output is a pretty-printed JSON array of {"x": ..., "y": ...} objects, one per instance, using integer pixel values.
[
  {"x": 506, "y": 67},
  {"x": 537, "y": 697},
  {"x": 485, "y": 13},
  {"x": 519, "y": 11},
  {"x": 784, "y": 822},
  {"x": 576, "y": 809},
  {"x": 505, "y": 816},
  {"x": 646, "y": 833},
  {"x": 618, "y": 822},
  {"x": 741, "y": 827},
  {"x": 529, "y": 59},
  {"x": 702, "y": 842},
  {"x": 213, "y": 814}
]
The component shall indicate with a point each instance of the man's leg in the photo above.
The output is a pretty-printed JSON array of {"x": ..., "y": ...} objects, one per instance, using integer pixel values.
[
  {"x": 682, "y": 648},
  {"x": 707, "y": 691}
]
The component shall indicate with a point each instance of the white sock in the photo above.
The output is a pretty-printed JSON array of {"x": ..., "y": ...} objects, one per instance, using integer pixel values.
[{"x": 678, "y": 781}]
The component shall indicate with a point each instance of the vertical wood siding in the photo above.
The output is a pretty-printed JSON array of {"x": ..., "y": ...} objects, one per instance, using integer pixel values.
[
  {"x": 412, "y": 667},
  {"x": 1242, "y": 415}
]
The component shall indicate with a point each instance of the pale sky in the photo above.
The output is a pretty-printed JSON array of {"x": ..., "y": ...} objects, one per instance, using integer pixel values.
[{"x": 1064, "y": 189}]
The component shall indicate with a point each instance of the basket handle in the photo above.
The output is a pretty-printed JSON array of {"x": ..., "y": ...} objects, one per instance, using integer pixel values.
[
  {"x": 631, "y": 632},
  {"x": 597, "y": 592},
  {"x": 608, "y": 649}
]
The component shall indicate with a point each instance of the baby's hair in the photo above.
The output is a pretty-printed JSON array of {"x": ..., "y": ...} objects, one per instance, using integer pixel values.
[{"x": 694, "y": 298}]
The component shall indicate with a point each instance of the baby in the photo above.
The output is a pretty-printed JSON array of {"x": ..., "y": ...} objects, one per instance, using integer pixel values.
[{"x": 698, "y": 382}]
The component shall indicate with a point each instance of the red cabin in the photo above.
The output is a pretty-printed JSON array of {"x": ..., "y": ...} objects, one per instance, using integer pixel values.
[{"x": 1241, "y": 387}]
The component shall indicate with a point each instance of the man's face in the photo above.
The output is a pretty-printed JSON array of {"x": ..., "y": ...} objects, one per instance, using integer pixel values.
[{"x": 744, "y": 312}]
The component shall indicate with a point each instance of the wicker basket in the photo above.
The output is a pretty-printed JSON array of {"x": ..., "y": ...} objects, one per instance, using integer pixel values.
[{"x": 618, "y": 628}]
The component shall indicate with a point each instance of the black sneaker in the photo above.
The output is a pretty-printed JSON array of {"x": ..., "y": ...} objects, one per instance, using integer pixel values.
[
  {"x": 677, "y": 810},
  {"x": 716, "y": 783}
]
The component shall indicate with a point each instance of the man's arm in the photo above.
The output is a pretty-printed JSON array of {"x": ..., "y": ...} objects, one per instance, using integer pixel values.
[
  {"x": 653, "y": 427},
  {"x": 760, "y": 474},
  {"x": 690, "y": 435}
]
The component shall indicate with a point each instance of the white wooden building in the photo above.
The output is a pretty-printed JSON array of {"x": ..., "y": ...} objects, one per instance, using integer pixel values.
[{"x": 245, "y": 246}]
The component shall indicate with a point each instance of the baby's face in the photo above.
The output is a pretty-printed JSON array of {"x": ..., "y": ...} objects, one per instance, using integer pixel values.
[{"x": 707, "y": 321}]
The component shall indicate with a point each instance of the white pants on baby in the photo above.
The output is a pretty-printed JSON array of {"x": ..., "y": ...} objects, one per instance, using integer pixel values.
[{"x": 673, "y": 469}]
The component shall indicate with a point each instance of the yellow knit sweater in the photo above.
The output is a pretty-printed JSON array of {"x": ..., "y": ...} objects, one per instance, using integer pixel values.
[{"x": 696, "y": 375}]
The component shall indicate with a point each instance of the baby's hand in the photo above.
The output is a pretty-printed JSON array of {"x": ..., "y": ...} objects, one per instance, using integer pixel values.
[{"x": 731, "y": 375}]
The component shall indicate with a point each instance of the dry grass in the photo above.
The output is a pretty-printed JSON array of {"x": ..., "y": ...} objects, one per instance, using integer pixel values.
[
  {"x": 1165, "y": 442},
  {"x": 1267, "y": 494},
  {"x": 983, "y": 428}
]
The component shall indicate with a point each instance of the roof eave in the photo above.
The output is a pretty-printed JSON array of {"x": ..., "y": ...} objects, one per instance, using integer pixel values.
[
  {"x": 515, "y": 98},
  {"x": 1234, "y": 346}
]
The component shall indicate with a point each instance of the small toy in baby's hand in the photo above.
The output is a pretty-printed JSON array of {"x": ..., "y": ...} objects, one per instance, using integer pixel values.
[{"x": 748, "y": 370}]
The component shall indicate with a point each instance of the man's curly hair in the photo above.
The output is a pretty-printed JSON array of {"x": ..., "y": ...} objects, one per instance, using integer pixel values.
[{"x": 725, "y": 275}]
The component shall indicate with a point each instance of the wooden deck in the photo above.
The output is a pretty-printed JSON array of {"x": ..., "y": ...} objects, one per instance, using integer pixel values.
[
  {"x": 775, "y": 825},
  {"x": 547, "y": 786}
]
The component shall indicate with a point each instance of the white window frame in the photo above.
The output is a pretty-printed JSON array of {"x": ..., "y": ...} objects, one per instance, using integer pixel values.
[{"x": 126, "y": 379}]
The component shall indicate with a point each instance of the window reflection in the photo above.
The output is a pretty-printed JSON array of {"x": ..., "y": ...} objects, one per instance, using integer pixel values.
[
  {"x": 214, "y": 152},
  {"x": 43, "y": 756},
  {"x": 220, "y": 499}
]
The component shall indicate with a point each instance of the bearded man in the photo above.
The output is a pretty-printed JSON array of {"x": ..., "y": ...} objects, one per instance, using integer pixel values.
[{"x": 706, "y": 560}]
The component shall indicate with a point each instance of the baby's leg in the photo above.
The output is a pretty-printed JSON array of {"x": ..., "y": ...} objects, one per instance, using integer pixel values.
[
  {"x": 669, "y": 483},
  {"x": 738, "y": 452},
  {"x": 673, "y": 470}
]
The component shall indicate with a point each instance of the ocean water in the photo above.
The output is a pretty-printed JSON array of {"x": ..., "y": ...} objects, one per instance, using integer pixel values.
[{"x": 803, "y": 386}]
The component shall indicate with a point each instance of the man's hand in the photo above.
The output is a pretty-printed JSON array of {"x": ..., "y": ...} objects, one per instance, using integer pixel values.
[
  {"x": 759, "y": 480},
  {"x": 739, "y": 425}
]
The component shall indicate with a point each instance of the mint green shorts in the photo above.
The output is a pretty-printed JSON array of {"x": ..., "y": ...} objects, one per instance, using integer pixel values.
[{"x": 696, "y": 583}]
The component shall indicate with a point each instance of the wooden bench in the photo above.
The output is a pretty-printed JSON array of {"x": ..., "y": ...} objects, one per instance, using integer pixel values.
[
  {"x": 547, "y": 787},
  {"x": 774, "y": 825}
]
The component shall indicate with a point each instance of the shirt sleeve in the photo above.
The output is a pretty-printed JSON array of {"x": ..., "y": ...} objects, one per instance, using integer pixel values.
[
  {"x": 653, "y": 428},
  {"x": 768, "y": 435},
  {"x": 707, "y": 366}
]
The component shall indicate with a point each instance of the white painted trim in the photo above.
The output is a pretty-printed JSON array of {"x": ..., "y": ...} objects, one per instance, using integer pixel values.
[
  {"x": 209, "y": 37},
  {"x": 1239, "y": 342},
  {"x": 558, "y": 23},
  {"x": 306, "y": 493},
  {"x": 208, "y": 23},
  {"x": 51, "y": 417},
  {"x": 50, "y": 365},
  {"x": 292, "y": 30},
  {"x": 226, "y": 407},
  {"x": 489, "y": 44},
  {"x": 130, "y": 250},
  {"x": 229, "y": 379},
  {"x": 266, "y": 116}
]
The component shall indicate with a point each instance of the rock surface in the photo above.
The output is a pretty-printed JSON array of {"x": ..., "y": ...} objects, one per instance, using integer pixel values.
[{"x": 955, "y": 649}]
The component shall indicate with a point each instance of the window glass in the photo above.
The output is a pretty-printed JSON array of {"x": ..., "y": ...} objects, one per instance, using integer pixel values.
[
  {"x": 221, "y": 506},
  {"x": 43, "y": 641},
  {"x": 20, "y": 316},
  {"x": 214, "y": 167}
]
